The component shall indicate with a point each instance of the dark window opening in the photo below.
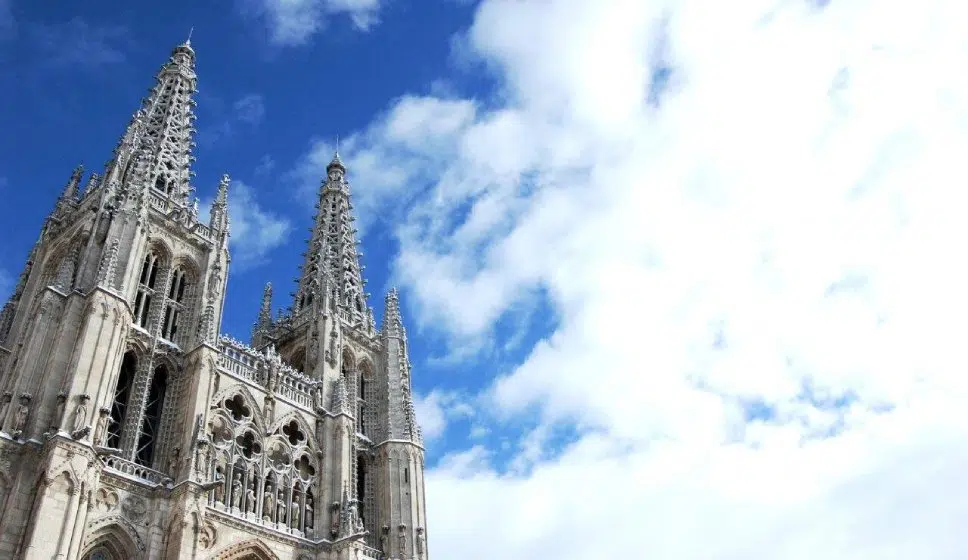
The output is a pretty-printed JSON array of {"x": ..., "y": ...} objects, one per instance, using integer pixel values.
[
  {"x": 121, "y": 394},
  {"x": 150, "y": 424},
  {"x": 142, "y": 302},
  {"x": 360, "y": 481}
]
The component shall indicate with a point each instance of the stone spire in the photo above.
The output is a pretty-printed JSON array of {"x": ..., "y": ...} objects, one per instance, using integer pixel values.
[
  {"x": 333, "y": 250},
  {"x": 219, "y": 214},
  {"x": 392, "y": 320},
  {"x": 165, "y": 123},
  {"x": 263, "y": 324},
  {"x": 401, "y": 417},
  {"x": 72, "y": 188}
]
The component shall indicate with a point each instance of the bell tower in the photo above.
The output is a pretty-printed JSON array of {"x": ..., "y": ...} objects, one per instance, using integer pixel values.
[
  {"x": 130, "y": 427},
  {"x": 117, "y": 307}
]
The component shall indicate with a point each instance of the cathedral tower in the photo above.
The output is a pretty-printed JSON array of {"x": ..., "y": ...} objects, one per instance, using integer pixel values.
[{"x": 130, "y": 428}]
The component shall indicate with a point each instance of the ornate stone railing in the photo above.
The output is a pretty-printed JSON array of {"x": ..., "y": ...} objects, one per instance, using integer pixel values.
[
  {"x": 159, "y": 202},
  {"x": 295, "y": 387},
  {"x": 129, "y": 468},
  {"x": 165, "y": 205},
  {"x": 240, "y": 360},
  {"x": 247, "y": 363},
  {"x": 366, "y": 552}
]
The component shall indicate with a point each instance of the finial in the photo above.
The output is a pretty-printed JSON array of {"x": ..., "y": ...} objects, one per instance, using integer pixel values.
[
  {"x": 189, "y": 40},
  {"x": 337, "y": 145}
]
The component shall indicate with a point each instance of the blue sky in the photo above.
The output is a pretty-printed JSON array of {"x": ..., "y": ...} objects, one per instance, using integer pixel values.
[{"x": 669, "y": 267}]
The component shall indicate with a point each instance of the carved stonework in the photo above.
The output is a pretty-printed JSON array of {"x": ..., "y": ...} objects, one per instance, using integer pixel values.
[
  {"x": 134, "y": 508},
  {"x": 80, "y": 429},
  {"x": 23, "y": 413},
  {"x": 168, "y": 433},
  {"x": 207, "y": 535},
  {"x": 105, "y": 500}
]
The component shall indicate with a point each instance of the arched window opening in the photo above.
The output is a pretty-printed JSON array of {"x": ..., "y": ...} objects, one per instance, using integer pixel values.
[
  {"x": 99, "y": 553},
  {"x": 152, "y": 418},
  {"x": 121, "y": 394},
  {"x": 146, "y": 289},
  {"x": 174, "y": 305},
  {"x": 161, "y": 184},
  {"x": 298, "y": 360},
  {"x": 361, "y": 481}
]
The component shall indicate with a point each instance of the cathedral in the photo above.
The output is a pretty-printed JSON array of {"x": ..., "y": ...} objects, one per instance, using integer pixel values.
[{"x": 130, "y": 428}]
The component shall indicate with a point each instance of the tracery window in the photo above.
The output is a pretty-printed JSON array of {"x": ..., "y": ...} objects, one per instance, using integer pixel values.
[
  {"x": 174, "y": 304},
  {"x": 150, "y": 423},
  {"x": 146, "y": 289},
  {"x": 100, "y": 553},
  {"x": 268, "y": 479},
  {"x": 365, "y": 400},
  {"x": 122, "y": 393}
]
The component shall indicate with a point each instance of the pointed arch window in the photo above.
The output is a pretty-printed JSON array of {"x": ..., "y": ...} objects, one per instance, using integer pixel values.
[
  {"x": 146, "y": 289},
  {"x": 361, "y": 480},
  {"x": 122, "y": 393},
  {"x": 150, "y": 423},
  {"x": 100, "y": 553},
  {"x": 174, "y": 304}
]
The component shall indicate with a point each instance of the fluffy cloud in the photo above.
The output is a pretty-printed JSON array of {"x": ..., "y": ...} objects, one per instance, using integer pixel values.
[
  {"x": 75, "y": 43},
  {"x": 6, "y": 284},
  {"x": 436, "y": 408},
  {"x": 254, "y": 231},
  {"x": 245, "y": 113},
  {"x": 747, "y": 220},
  {"x": 293, "y": 22},
  {"x": 249, "y": 109}
]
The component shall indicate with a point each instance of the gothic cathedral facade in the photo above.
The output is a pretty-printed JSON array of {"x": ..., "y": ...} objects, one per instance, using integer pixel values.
[{"x": 130, "y": 428}]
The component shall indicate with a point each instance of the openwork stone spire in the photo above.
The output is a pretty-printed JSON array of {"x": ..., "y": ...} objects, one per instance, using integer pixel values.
[
  {"x": 73, "y": 184},
  {"x": 333, "y": 250},
  {"x": 219, "y": 214},
  {"x": 392, "y": 320},
  {"x": 165, "y": 123},
  {"x": 264, "y": 323}
]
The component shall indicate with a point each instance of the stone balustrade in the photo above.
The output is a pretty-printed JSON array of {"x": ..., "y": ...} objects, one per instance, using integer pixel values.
[
  {"x": 132, "y": 469},
  {"x": 247, "y": 363}
]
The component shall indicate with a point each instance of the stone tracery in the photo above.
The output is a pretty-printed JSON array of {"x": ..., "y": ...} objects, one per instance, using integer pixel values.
[{"x": 265, "y": 478}]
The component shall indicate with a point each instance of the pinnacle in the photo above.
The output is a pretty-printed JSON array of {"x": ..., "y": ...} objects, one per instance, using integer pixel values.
[{"x": 337, "y": 162}]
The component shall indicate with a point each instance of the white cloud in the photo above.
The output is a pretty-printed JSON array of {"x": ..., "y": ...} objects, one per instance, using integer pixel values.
[
  {"x": 735, "y": 210},
  {"x": 435, "y": 409},
  {"x": 75, "y": 43},
  {"x": 249, "y": 109},
  {"x": 381, "y": 160},
  {"x": 254, "y": 231},
  {"x": 293, "y": 22},
  {"x": 6, "y": 285}
]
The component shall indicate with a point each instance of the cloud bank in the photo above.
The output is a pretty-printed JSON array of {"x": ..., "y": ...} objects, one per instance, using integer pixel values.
[
  {"x": 747, "y": 220},
  {"x": 294, "y": 22}
]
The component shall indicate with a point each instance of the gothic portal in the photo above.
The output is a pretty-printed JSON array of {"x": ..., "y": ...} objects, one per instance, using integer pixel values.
[{"x": 131, "y": 429}]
